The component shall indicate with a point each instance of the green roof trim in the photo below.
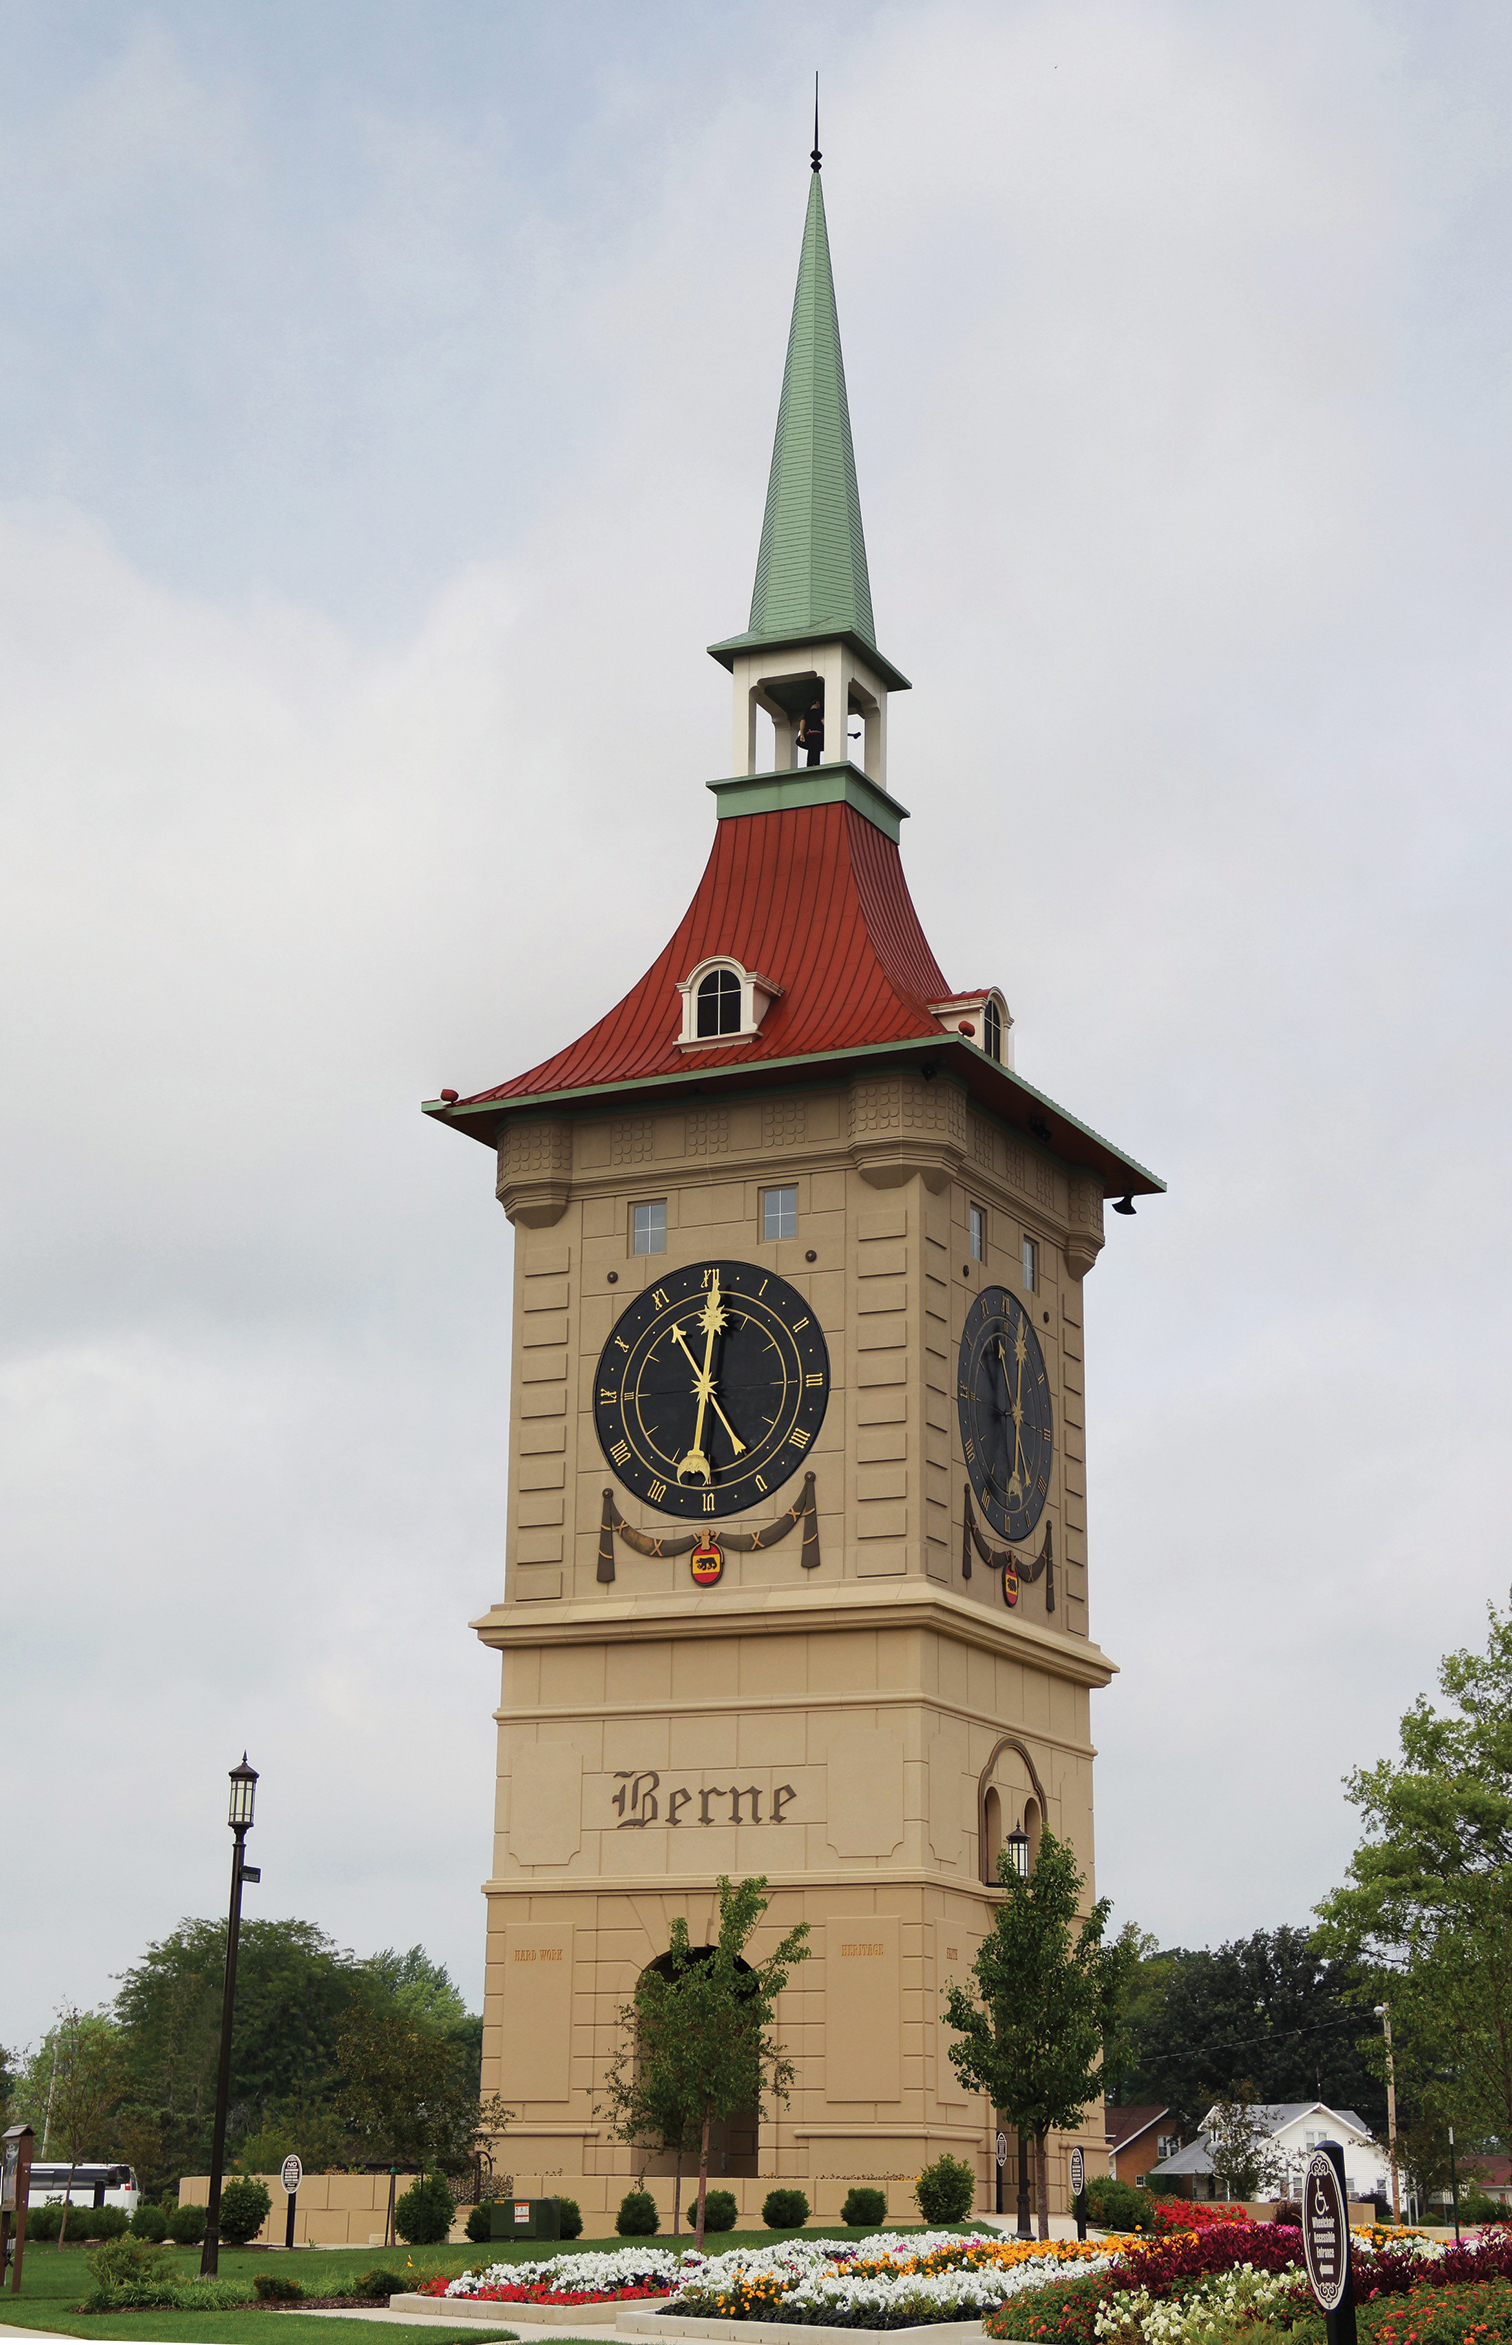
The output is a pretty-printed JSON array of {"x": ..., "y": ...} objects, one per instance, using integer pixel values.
[
  {"x": 811, "y": 575},
  {"x": 811, "y": 785},
  {"x": 941, "y": 1046},
  {"x": 727, "y": 652}
]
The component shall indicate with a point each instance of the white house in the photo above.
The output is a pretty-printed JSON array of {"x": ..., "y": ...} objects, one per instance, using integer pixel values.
[{"x": 1293, "y": 2128}]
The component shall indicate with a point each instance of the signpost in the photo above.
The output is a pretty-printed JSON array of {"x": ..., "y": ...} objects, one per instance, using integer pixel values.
[
  {"x": 1000, "y": 2151},
  {"x": 291, "y": 2177},
  {"x": 1325, "y": 2241},
  {"x": 15, "y": 2189},
  {"x": 1079, "y": 2190}
]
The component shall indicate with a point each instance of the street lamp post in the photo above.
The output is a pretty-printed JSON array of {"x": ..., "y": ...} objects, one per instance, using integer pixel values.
[
  {"x": 243, "y": 1799},
  {"x": 1383, "y": 2014}
]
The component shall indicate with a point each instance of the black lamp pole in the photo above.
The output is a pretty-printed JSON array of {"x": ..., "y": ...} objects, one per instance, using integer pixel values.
[{"x": 243, "y": 1799}]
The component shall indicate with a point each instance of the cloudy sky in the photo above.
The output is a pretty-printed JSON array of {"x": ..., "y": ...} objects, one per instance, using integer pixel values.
[{"x": 386, "y": 394}]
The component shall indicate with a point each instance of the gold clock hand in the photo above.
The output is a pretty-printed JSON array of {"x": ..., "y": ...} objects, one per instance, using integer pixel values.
[{"x": 695, "y": 1465}]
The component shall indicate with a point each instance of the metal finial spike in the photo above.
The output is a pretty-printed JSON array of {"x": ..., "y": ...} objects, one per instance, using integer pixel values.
[{"x": 815, "y": 159}]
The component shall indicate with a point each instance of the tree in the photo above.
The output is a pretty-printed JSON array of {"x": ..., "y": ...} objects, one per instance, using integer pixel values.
[
  {"x": 407, "y": 2094},
  {"x": 1245, "y": 2159},
  {"x": 427, "y": 1992},
  {"x": 1270, "y": 2014},
  {"x": 648, "y": 2094},
  {"x": 1049, "y": 2002},
  {"x": 90, "y": 2082},
  {"x": 707, "y": 2017},
  {"x": 1428, "y": 1901}
]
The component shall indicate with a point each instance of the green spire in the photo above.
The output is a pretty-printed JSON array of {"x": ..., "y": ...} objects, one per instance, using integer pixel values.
[{"x": 811, "y": 571}]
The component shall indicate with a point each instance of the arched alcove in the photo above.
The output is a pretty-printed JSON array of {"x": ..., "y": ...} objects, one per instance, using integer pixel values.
[
  {"x": 992, "y": 1831},
  {"x": 734, "y": 2142},
  {"x": 1025, "y": 1797}
]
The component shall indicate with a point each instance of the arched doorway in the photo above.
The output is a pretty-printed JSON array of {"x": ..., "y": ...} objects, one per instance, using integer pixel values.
[{"x": 734, "y": 2142}]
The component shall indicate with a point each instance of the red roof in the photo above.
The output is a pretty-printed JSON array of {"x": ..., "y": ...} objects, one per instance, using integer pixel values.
[
  {"x": 1126, "y": 2121},
  {"x": 812, "y": 897}
]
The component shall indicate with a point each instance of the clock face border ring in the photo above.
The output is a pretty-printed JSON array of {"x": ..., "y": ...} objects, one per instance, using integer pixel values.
[
  {"x": 1001, "y": 1366},
  {"x": 768, "y": 1376}
]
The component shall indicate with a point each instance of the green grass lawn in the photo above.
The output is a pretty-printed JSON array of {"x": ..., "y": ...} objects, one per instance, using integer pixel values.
[{"x": 54, "y": 2282}]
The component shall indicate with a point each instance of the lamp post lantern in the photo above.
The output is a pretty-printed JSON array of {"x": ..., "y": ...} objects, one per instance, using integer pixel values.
[
  {"x": 243, "y": 1801},
  {"x": 1017, "y": 1846}
]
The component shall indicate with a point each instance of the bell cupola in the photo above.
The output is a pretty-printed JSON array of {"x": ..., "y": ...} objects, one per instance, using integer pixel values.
[{"x": 811, "y": 643}]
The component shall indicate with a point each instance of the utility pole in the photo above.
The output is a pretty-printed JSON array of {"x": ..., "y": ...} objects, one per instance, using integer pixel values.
[{"x": 1383, "y": 2014}]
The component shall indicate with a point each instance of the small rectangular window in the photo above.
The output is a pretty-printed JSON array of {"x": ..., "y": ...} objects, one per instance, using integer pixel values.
[
  {"x": 648, "y": 1227},
  {"x": 1031, "y": 1265},
  {"x": 779, "y": 1213},
  {"x": 978, "y": 1219}
]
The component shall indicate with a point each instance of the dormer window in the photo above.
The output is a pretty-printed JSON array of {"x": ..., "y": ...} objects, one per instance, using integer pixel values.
[
  {"x": 716, "y": 1003},
  {"x": 722, "y": 1002},
  {"x": 982, "y": 1018}
]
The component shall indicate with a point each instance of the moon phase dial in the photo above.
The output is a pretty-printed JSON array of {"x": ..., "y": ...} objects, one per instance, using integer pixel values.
[
  {"x": 1007, "y": 1428},
  {"x": 711, "y": 1389}
]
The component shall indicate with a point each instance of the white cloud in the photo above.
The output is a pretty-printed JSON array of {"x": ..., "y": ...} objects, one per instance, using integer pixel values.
[{"x": 1177, "y": 357}]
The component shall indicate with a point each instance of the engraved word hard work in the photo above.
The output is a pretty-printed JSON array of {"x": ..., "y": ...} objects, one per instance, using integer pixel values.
[
  {"x": 711, "y": 1389},
  {"x": 640, "y": 1801},
  {"x": 1003, "y": 1396}
]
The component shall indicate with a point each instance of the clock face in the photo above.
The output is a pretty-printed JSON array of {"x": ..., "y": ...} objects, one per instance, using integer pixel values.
[
  {"x": 1007, "y": 1430},
  {"x": 711, "y": 1389}
]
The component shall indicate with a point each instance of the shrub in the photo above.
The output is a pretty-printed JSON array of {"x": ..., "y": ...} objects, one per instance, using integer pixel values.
[
  {"x": 637, "y": 2217},
  {"x": 720, "y": 2211},
  {"x": 1061, "y": 2313},
  {"x": 423, "y": 2214},
  {"x": 104, "y": 2223},
  {"x": 865, "y": 2208},
  {"x": 785, "y": 2210},
  {"x": 378, "y": 2284},
  {"x": 243, "y": 2209},
  {"x": 480, "y": 2223},
  {"x": 149, "y": 2223},
  {"x": 276, "y": 2288},
  {"x": 138, "y": 2275},
  {"x": 572, "y": 2218},
  {"x": 945, "y": 2190},
  {"x": 1118, "y": 2206},
  {"x": 186, "y": 2226}
]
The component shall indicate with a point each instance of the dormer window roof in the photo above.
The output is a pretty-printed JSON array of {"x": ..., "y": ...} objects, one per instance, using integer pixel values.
[
  {"x": 723, "y": 1003},
  {"x": 983, "y": 1018}
]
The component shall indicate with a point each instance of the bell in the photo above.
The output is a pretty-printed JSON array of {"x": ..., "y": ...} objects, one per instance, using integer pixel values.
[{"x": 1124, "y": 1205}]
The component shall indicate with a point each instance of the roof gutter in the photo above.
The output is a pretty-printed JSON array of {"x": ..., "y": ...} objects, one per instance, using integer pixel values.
[{"x": 993, "y": 1086}]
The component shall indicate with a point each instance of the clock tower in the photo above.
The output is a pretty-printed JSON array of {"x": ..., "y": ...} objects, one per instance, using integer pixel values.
[{"x": 796, "y": 1564}]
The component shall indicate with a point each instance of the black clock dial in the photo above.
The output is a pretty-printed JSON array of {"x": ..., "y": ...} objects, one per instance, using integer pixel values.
[
  {"x": 1007, "y": 1429},
  {"x": 711, "y": 1389}
]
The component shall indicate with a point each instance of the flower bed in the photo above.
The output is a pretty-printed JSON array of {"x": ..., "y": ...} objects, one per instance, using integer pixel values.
[
  {"x": 1192, "y": 2287},
  {"x": 887, "y": 2281}
]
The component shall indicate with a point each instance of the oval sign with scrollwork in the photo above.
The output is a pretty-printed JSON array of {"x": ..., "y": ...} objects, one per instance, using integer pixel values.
[{"x": 1325, "y": 2231}]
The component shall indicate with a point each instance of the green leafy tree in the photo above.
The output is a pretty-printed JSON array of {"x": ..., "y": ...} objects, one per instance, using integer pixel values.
[
  {"x": 649, "y": 2093},
  {"x": 1427, "y": 1904},
  {"x": 1049, "y": 1991},
  {"x": 427, "y": 1992},
  {"x": 718, "y": 2008},
  {"x": 89, "y": 2083},
  {"x": 1272, "y": 2013},
  {"x": 1246, "y": 2162},
  {"x": 407, "y": 2092}
]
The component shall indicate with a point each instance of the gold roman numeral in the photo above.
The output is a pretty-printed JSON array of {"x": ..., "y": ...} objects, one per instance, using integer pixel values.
[
  {"x": 799, "y": 1439},
  {"x": 608, "y": 1392},
  {"x": 818, "y": 1379},
  {"x": 620, "y": 1452},
  {"x": 761, "y": 1481},
  {"x": 708, "y": 1498},
  {"x": 800, "y": 1324},
  {"x": 659, "y": 1297},
  {"x": 657, "y": 1491}
]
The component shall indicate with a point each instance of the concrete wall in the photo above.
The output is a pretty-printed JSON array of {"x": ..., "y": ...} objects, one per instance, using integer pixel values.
[{"x": 331, "y": 2210}]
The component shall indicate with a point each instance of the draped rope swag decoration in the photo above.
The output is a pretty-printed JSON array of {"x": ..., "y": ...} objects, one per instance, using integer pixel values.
[
  {"x": 1004, "y": 1560},
  {"x": 804, "y": 1509}
]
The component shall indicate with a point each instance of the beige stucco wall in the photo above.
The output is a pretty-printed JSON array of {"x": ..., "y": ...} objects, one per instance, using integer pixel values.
[
  {"x": 861, "y": 1701},
  {"x": 330, "y": 2210}
]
